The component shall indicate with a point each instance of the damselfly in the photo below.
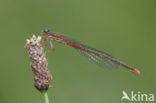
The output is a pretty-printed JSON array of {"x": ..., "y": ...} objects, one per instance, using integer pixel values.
[{"x": 100, "y": 58}]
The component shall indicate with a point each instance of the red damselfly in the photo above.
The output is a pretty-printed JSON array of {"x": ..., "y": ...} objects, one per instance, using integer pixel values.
[{"x": 100, "y": 58}]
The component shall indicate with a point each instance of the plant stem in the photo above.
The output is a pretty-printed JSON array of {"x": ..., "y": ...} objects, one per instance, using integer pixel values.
[{"x": 45, "y": 94}]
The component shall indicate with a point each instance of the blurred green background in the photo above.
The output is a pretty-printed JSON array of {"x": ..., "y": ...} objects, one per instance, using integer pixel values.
[{"x": 122, "y": 28}]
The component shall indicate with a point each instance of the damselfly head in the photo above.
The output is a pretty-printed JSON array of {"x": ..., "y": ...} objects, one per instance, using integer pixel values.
[{"x": 45, "y": 31}]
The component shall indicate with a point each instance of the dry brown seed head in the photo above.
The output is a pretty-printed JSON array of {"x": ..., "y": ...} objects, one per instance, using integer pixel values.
[{"x": 38, "y": 63}]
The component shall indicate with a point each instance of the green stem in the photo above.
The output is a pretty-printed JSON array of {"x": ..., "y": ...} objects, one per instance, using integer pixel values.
[{"x": 45, "y": 94}]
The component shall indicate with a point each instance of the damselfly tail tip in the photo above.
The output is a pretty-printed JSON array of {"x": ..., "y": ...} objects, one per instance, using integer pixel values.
[{"x": 135, "y": 71}]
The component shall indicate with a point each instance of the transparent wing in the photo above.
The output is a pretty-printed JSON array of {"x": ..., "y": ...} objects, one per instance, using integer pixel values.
[
  {"x": 99, "y": 60},
  {"x": 94, "y": 55}
]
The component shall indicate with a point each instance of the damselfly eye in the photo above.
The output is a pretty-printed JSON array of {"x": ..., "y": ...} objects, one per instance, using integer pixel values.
[{"x": 46, "y": 31}]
